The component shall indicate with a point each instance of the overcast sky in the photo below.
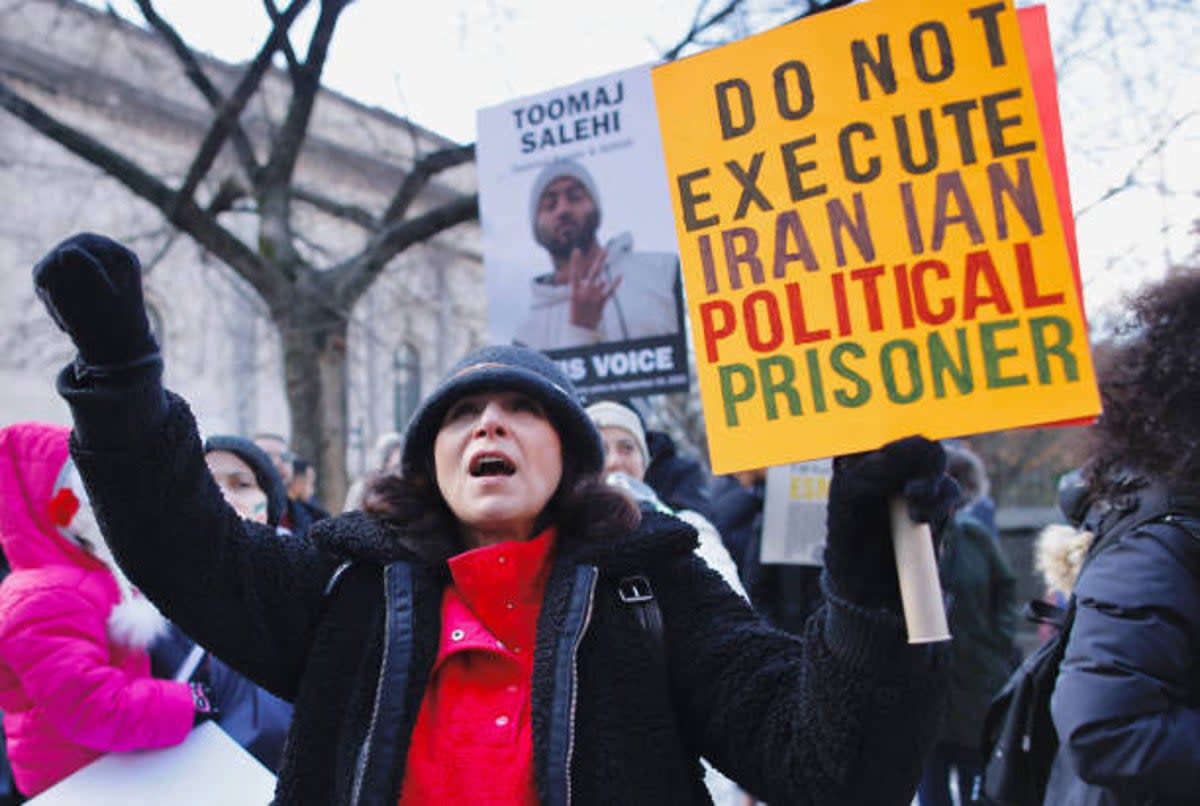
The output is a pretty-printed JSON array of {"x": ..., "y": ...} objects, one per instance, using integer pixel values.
[{"x": 437, "y": 63}]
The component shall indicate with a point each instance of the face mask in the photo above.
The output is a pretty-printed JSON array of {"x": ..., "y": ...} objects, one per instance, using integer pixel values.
[
  {"x": 249, "y": 502},
  {"x": 238, "y": 484}
]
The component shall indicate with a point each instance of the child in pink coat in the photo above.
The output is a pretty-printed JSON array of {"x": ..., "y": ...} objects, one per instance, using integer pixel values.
[{"x": 74, "y": 675}]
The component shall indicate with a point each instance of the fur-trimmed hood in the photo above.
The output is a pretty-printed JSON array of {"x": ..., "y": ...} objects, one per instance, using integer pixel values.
[
  {"x": 32, "y": 456},
  {"x": 1059, "y": 553},
  {"x": 46, "y": 523},
  {"x": 359, "y": 537}
]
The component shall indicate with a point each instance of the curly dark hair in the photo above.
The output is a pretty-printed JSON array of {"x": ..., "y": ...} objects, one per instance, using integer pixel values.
[
  {"x": 1149, "y": 378},
  {"x": 583, "y": 506}
]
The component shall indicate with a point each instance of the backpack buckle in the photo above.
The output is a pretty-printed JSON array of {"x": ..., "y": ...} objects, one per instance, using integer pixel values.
[{"x": 635, "y": 589}]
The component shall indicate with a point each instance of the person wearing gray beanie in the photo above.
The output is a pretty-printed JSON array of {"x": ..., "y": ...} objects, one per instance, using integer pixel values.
[
  {"x": 595, "y": 293},
  {"x": 498, "y": 624}
]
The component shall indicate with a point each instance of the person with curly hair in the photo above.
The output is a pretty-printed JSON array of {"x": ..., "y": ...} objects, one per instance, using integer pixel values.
[
  {"x": 1126, "y": 705},
  {"x": 499, "y": 625}
]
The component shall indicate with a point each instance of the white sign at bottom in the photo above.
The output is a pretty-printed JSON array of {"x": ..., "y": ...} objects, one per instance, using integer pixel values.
[{"x": 207, "y": 767}]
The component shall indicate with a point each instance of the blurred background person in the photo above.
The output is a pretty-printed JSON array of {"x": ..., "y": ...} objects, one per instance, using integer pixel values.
[
  {"x": 386, "y": 453},
  {"x": 304, "y": 480},
  {"x": 302, "y": 492},
  {"x": 255, "y": 719},
  {"x": 980, "y": 590},
  {"x": 968, "y": 470},
  {"x": 247, "y": 478},
  {"x": 786, "y": 593},
  {"x": 1126, "y": 704},
  {"x": 296, "y": 518},
  {"x": 736, "y": 503},
  {"x": 626, "y": 452},
  {"x": 681, "y": 481},
  {"x": 75, "y": 678}
]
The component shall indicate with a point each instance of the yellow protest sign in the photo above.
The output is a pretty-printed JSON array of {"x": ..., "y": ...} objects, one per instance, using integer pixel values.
[{"x": 870, "y": 240}]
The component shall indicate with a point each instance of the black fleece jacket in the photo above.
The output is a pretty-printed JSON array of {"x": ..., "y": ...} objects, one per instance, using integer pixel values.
[{"x": 346, "y": 625}]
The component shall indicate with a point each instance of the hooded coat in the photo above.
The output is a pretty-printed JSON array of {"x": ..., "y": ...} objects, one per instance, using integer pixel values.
[
  {"x": 347, "y": 626},
  {"x": 69, "y": 691},
  {"x": 980, "y": 589},
  {"x": 1126, "y": 704}
]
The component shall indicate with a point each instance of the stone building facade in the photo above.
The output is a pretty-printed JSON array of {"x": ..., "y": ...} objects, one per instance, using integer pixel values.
[{"x": 121, "y": 85}]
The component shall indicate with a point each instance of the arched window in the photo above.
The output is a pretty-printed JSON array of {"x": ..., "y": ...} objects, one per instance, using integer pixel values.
[{"x": 406, "y": 384}]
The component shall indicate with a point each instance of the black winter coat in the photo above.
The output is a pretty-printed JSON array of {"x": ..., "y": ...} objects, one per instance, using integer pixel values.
[
  {"x": 1126, "y": 704},
  {"x": 980, "y": 590},
  {"x": 680, "y": 481},
  {"x": 347, "y": 625}
]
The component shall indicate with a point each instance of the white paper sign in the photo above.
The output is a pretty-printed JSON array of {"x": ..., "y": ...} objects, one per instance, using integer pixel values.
[
  {"x": 207, "y": 767},
  {"x": 794, "y": 513},
  {"x": 603, "y": 134}
]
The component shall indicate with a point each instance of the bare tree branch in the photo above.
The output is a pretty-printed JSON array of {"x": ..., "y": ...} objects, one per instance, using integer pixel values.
[
  {"x": 227, "y": 117},
  {"x": 361, "y": 271},
  {"x": 1131, "y": 179},
  {"x": 699, "y": 27},
  {"x": 702, "y": 25},
  {"x": 188, "y": 217},
  {"x": 285, "y": 47},
  {"x": 305, "y": 86},
  {"x": 228, "y": 194},
  {"x": 195, "y": 73},
  {"x": 816, "y": 7},
  {"x": 171, "y": 236},
  {"x": 347, "y": 212},
  {"x": 422, "y": 171},
  {"x": 275, "y": 232}
]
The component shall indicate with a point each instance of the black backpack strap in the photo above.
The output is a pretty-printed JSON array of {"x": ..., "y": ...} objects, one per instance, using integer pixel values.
[
  {"x": 194, "y": 666},
  {"x": 636, "y": 593},
  {"x": 1039, "y": 611}
]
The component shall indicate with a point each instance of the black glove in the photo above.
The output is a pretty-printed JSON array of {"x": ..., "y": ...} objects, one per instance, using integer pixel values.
[
  {"x": 92, "y": 287},
  {"x": 202, "y": 700},
  {"x": 858, "y": 550}
]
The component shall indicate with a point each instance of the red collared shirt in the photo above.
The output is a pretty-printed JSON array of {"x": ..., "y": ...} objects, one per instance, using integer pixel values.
[{"x": 473, "y": 740}]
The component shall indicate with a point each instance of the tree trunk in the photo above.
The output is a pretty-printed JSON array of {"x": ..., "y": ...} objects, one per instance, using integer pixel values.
[{"x": 314, "y": 360}]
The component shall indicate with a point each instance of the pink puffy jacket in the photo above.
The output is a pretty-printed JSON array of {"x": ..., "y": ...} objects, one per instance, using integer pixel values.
[{"x": 68, "y": 693}]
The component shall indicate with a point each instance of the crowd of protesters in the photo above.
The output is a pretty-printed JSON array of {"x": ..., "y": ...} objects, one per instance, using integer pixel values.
[{"x": 532, "y": 599}]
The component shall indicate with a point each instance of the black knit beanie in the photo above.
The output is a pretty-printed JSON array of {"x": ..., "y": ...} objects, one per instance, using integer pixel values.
[
  {"x": 264, "y": 470},
  {"x": 502, "y": 368}
]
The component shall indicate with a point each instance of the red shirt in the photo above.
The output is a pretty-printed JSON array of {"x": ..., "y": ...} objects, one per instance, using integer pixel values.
[{"x": 473, "y": 740}]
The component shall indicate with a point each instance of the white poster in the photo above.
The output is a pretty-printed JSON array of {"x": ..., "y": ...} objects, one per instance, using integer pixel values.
[
  {"x": 207, "y": 768},
  {"x": 579, "y": 243},
  {"x": 794, "y": 512}
]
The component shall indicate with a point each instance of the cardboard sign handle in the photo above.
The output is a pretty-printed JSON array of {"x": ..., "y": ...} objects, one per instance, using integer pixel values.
[{"x": 920, "y": 589}]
